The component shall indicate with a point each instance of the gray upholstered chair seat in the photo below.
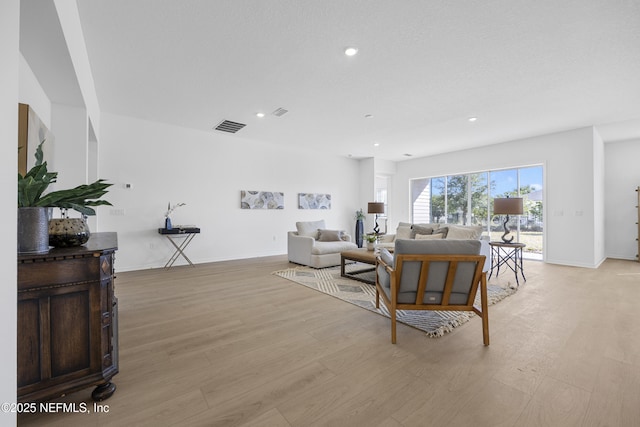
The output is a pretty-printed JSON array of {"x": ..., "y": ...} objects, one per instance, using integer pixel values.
[{"x": 432, "y": 275}]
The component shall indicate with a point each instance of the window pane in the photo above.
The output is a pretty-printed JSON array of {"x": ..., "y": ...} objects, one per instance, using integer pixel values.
[
  {"x": 420, "y": 195},
  {"x": 438, "y": 211},
  {"x": 479, "y": 199},
  {"x": 531, "y": 222},
  {"x": 457, "y": 203}
]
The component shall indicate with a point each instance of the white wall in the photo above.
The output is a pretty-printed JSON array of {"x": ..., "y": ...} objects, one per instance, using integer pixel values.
[
  {"x": 622, "y": 176},
  {"x": 31, "y": 93},
  {"x": 598, "y": 197},
  {"x": 568, "y": 159},
  {"x": 207, "y": 170},
  {"x": 387, "y": 169},
  {"x": 9, "y": 71},
  {"x": 69, "y": 126},
  {"x": 367, "y": 193},
  {"x": 72, "y": 29}
]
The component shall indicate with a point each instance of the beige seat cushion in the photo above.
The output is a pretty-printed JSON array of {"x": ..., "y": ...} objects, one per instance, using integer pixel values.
[{"x": 323, "y": 248}]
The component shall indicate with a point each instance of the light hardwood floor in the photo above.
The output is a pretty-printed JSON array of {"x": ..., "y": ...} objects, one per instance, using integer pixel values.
[{"x": 230, "y": 344}]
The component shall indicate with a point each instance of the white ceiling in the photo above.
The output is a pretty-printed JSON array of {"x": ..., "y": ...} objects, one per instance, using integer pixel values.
[{"x": 522, "y": 67}]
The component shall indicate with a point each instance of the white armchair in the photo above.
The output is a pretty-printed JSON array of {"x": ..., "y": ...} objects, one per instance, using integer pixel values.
[{"x": 313, "y": 245}]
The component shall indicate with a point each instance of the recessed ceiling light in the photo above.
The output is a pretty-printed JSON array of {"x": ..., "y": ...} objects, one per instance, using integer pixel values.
[
  {"x": 350, "y": 51},
  {"x": 260, "y": 115},
  {"x": 472, "y": 119},
  {"x": 376, "y": 144}
]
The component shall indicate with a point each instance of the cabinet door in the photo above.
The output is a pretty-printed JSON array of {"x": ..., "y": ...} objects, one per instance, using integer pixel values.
[{"x": 54, "y": 344}]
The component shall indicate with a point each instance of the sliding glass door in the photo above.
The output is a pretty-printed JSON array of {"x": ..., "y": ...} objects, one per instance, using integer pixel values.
[{"x": 467, "y": 199}]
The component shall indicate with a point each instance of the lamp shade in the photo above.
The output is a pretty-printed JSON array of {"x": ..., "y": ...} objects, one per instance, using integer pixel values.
[
  {"x": 375, "y": 208},
  {"x": 508, "y": 206}
]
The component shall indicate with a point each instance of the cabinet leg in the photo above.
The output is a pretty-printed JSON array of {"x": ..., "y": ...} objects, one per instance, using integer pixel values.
[{"x": 103, "y": 391}]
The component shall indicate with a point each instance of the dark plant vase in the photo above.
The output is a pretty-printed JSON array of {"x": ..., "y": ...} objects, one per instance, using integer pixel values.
[
  {"x": 33, "y": 230},
  {"x": 359, "y": 232},
  {"x": 167, "y": 223}
]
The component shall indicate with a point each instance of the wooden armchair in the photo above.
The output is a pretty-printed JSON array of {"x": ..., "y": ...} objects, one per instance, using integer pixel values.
[{"x": 432, "y": 275}]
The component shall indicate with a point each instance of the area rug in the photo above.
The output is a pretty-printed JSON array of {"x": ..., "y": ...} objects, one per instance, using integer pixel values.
[{"x": 329, "y": 281}]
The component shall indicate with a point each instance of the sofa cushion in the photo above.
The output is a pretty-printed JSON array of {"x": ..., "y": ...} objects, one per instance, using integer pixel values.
[
  {"x": 323, "y": 248},
  {"x": 464, "y": 232},
  {"x": 329, "y": 235},
  {"x": 442, "y": 231},
  {"x": 404, "y": 232},
  {"x": 425, "y": 228},
  {"x": 428, "y": 236},
  {"x": 309, "y": 228}
]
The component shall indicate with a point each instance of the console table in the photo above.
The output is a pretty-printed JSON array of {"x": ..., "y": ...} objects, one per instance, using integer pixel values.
[
  {"x": 187, "y": 234},
  {"x": 509, "y": 255},
  {"x": 68, "y": 321}
]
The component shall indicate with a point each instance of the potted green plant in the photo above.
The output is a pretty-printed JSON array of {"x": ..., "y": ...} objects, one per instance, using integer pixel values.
[
  {"x": 33, "y": 203},
  {"x": 371, "y": 241}
]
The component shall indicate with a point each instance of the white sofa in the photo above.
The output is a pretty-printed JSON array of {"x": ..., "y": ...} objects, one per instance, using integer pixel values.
[
  {"x": 316, "y": 246},
  {"x": 408, "y": 231}
]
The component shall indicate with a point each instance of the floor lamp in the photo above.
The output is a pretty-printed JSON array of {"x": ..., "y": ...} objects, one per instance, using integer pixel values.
[
  {"x": 507, "y": 206},
  {"x": 376, "y": 208}
]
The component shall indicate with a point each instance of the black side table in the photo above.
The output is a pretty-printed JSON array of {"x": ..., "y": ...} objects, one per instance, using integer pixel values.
[
  {"x": 509, "y": 255},
  {"x": 188, "y": 233}
]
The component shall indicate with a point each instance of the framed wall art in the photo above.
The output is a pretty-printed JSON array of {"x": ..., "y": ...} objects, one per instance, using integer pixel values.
[
  {"x": 31, "y": 132},
  {"x": 314, "y": 201},
  {"x": 261, "y": 200}
]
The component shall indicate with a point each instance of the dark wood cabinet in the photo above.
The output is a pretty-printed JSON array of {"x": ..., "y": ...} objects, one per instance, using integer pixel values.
[{"x": 68, "y": 321}]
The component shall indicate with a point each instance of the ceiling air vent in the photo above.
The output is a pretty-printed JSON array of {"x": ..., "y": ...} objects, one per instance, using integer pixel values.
[
  {"x": 229, "y": 126},
  {"x": 280, "y": 112}
]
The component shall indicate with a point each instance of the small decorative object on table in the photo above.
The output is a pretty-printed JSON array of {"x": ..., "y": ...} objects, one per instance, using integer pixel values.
[
  {"x": 371, "y": 241},
  {"x": 376, "y": 208},
  {"x": 508, "y": 206},
  {"x": 67, "y": 232},
  {"x": 167, "y": 218}
]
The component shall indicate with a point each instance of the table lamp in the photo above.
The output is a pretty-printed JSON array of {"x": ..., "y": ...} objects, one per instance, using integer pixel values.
[
  {"x": 376, "y": 208},
  {"x": 507, "y": 206}
]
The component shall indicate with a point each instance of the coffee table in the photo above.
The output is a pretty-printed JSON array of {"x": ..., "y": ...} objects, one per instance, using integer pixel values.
[{"x": 361, "y": 255}]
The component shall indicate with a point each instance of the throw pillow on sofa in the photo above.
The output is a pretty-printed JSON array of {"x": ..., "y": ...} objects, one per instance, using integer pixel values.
[
  {"x": 442, "y": 231},
  {"x": 329, "y": 235},
  {"x": 464, "y": 232},
  {"x": 425, "y": 228}
]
